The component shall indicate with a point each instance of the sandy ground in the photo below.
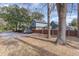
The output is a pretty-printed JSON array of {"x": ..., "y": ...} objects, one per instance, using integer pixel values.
[{"x": 17, "y": 44}]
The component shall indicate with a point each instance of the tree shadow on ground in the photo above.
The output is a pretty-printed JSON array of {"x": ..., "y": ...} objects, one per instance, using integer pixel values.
[
  {"x": 73, "y": 45},
  {"x": 69, "y": 44},
  {"x": 8, "y": 42},
  {"x": 42, "y": 39},
  {"x": 73, "y": 42},
  {"x": 39, "y": 50}
]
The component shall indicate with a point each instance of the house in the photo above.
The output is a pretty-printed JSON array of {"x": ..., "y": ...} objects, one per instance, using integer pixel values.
[
  {"x": 53, "y": 25},
  {"x": 41, "y": 24},
  {"x": 71, "y": 28}
]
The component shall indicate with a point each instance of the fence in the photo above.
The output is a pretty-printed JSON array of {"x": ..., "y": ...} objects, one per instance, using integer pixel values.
[{"x": 55, "y": 32}]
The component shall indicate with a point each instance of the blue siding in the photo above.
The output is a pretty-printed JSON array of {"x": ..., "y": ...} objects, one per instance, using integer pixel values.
[{"x": 33, "y": 24}]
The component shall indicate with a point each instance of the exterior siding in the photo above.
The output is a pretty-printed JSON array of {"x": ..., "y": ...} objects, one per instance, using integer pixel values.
[
  {"x": 38, "y": 25},
  {"x": 33, "y": 24}
]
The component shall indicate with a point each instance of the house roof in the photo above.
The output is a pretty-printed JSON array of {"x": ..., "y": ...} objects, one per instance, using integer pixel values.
[{"x": 39, "y": 21}]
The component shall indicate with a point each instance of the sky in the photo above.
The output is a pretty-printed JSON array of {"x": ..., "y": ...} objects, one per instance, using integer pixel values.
[{"x": 42, "y": 8}]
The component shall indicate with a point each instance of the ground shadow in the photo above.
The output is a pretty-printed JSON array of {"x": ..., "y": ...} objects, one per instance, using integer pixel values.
[
  {"x": 9, "y": 43},
  {"x": 42, "y": 39},
  {"x": 69, "y": 44},
  {"x": 75, "y": 47},
  {"x": 41, "y": 51}
]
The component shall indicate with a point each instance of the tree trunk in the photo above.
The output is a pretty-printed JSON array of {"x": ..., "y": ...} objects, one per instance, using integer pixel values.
[
  {"x": 16, "y": 27},
  {"x": 61, "y": 8},
  {"x": 48, "y": 6},
  {"x": 78, "y": 20}
]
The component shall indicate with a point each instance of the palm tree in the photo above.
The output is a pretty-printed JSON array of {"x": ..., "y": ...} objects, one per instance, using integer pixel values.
[
  {"x": 61, "y": 9},
  {"x": 78, "y": 19}
]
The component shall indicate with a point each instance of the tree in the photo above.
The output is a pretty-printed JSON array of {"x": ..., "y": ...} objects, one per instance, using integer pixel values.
[
  {"x": 78, "y": 19},
  {"x": 15, "y": 16},
  {"x": 19, "y": 18},
  {"x": 48, "y": 7},
  {"x": 61, "y": 9},
  {"x": 37, "y": 15},
  {"x": 74, "y": 22}
]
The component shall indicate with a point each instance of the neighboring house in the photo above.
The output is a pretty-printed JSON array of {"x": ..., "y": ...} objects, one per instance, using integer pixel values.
[
  {"x": 38, "y": 24},
  {"x": 53, "y": 25},
  {"x": 71, "y": 28},
  {"x": 41, "y": 24},
  {"x": 67, "y": 28}
]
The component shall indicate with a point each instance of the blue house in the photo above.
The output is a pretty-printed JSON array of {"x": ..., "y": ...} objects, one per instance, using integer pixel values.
[{"x": 53, "y": 25}]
